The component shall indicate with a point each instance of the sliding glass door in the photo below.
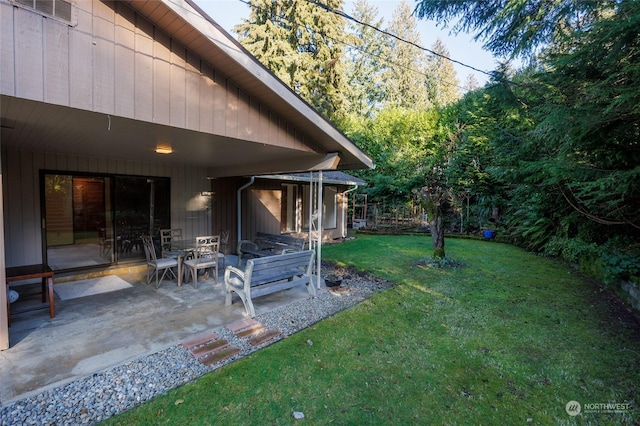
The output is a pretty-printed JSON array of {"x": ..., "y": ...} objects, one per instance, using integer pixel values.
[{"x": 91, "y": 221}]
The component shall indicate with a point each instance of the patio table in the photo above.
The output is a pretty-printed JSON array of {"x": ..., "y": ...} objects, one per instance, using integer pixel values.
[
  {"x": 183, "y": 250},
  {"x": 21, "y": 273}
]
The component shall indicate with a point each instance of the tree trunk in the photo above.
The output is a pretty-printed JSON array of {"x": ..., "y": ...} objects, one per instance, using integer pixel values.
[{"x": 437, "y": 235}]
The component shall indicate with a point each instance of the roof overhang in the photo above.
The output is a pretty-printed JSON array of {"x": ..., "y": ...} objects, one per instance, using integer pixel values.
[{"x": 191, "y": 26}]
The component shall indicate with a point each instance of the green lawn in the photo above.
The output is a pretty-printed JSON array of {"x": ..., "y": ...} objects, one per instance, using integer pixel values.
[{"x": 510, "y": 338}]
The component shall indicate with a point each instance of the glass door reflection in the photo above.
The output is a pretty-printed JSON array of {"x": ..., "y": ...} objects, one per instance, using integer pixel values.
[{"x": 77, "y": 221}]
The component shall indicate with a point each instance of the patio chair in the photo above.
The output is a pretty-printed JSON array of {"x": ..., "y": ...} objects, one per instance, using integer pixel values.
[
  {"x": 155, "y": 264},
  {"x": 206, "y": 255},
  {"x": 106, "y": 243},
  {"x": 167, "y": 236}
]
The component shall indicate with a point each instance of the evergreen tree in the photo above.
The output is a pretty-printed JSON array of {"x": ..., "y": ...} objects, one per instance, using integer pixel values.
[
  {"x": 302, "y": 44},
  {"x": 590, "y": 119},
  {"x": 517, "y": 28},
  {"x": 471, "y": 83},
  {"x": 366, "y": 61},
  {"x": 405, "y": 81},
  {"x": 442, "y": 80}
]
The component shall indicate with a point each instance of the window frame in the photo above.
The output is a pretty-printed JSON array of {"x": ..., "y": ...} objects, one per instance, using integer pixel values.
[
  {"x": 32, "y": 7},
  {"x": 115, "y": 210},
  {"x": 305, "y": 194},
  {"x": 289, "y": 208}
]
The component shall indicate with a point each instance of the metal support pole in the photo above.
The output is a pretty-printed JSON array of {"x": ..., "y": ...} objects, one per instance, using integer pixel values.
[{"x": 320, "y": 205}]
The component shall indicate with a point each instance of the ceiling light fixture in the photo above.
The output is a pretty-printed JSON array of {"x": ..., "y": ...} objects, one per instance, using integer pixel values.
[{"x": 164, "y": 149}]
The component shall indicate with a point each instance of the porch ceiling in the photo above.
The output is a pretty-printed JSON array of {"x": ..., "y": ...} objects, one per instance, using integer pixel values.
[{"x": 52, "y": 129}]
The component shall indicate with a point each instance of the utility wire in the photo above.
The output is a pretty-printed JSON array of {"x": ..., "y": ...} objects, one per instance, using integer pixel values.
[
  {"x": 351, "y": 18},
  {"x": 345, "y": 16}
]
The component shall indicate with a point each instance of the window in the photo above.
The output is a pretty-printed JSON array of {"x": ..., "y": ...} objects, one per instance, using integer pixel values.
[
  {"x": 60, "y": 9},
  {"x": 329, "y": 208},
  {"x": 289, "y": 208},
  {"x": 98, "y": 220}
]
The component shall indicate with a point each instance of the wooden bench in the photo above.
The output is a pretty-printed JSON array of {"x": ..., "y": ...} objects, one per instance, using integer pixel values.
[
  {"x": 268, "y": 245},
  {"x": 266, "y": 275}
]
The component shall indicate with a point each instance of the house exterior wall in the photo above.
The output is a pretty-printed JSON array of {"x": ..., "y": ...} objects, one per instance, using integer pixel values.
[
  {"x": 190, "y": 210},
  {"x": 114, "y": 61},
  {"x": 261, "y": 210},
  {"x": 224, "y": 208}
]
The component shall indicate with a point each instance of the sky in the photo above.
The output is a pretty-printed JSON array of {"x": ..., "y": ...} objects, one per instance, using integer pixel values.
[{"x": 462, "y": 48}]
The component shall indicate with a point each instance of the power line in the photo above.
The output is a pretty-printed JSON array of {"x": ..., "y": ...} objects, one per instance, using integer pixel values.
[
  {"x": 346, "y": 16},
  {"x": 351, "y": 18}
]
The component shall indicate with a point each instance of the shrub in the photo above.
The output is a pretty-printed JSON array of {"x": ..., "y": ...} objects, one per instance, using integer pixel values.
[
  {"x": 620, "y": 259},
  {"x": 572, "y": 250}
]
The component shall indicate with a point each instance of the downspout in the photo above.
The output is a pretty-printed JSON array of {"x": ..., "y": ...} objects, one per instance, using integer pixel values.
[
  {"x": 344, "y": 211},
  {"x": 239, "y": 205}
]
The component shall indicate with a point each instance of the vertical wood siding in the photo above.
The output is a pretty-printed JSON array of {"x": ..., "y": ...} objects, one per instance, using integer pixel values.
[
  {"x": 223, "y": 208},
  {"x": 116, "y": 62},
  {"x": 7, "y": 45}
]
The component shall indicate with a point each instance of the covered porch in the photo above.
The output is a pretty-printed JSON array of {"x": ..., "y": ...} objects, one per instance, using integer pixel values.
[{"x": 92, "y": 333}]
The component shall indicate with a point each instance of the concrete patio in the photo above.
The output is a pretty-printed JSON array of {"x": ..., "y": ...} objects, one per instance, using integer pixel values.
[{"x": 92, "y": 333}]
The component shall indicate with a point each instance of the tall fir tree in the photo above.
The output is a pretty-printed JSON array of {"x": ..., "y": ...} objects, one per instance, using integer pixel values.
[
  {"x": 365, "y": 63},
  {"x": 442, "y": 80},
  {"x": 471, "y": 83},
  {"x": 302, "y": 44},
  {"x": 405, "y": 85}
]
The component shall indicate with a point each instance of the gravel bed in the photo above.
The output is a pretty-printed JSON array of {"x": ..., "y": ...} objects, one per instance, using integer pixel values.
[{"x": 101, "y": 395}]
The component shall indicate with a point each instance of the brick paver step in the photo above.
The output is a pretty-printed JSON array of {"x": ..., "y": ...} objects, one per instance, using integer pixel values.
[
  {"x": 220, "y": 355},
  {"x": 212, "y": 346},
  {"x": 209, "y": 348},
  {"x": 263, "y": 337},
  {"x": 255, "y": 332},
  {"x": 248, "y": 332},
  {"x": 196, "y": 341},
  {"x": 242, "y": 324}
]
